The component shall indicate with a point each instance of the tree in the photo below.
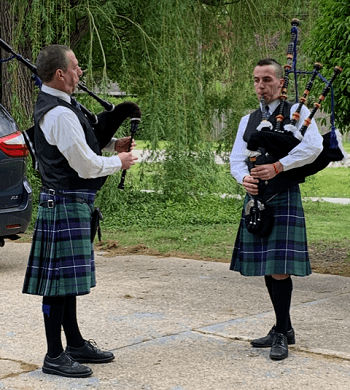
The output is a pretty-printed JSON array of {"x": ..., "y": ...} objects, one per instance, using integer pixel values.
[
  {"x": 29, "y": 25},
  {"x": 187, "y": 62},
  {"x": 16, "y": 92},
  {"x": 329, "y": 44}
]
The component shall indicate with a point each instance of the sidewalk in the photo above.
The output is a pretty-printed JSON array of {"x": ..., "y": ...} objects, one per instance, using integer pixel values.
[{"x": 179, "y": 324}]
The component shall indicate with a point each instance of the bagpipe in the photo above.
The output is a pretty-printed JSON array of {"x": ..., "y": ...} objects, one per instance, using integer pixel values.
[
  {"x": 270, "y": 143},
  {"x": 104, "y": 124}
]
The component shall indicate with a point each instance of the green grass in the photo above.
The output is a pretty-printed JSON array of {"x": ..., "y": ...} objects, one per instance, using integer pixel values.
[
  {"x": 330, "y": 182},
  {"x": 205, "y": 242},
  {"x": 327, "y": 224},
  {"x": 205, "y": 226}
]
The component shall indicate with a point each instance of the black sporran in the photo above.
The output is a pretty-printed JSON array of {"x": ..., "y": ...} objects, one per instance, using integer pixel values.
[{"x": 258, "y": 217}]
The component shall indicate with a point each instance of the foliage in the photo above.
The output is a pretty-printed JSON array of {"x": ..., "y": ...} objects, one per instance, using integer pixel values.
[
  {"x": 155, "y": 210},
  {"x": 188, "y": 62},
  {"x": 329, "y": 44},
  {"x": 134, "y": 207}
]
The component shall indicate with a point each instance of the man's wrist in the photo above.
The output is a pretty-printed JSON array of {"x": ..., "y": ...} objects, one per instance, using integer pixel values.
[
  {"x": 278, "y": 167},
  {"x": 116, "y": 145}
]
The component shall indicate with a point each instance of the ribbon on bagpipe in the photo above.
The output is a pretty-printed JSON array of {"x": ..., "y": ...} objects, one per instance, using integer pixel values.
[
  {"x": 104, "y": 124},
  {"x": 269, "y": 144},
  {"x": 7, "y": 59}
]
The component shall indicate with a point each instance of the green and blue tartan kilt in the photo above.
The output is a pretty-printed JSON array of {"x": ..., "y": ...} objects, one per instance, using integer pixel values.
[
  {"x": 61, "y": 260},
  {"x": 284, "y": 251}
]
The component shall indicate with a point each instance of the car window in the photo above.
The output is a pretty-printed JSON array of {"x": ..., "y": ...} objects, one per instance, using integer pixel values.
[{"x": 7, "y": 123}]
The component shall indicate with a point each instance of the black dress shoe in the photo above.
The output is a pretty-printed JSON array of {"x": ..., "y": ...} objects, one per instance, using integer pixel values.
[
  {"x": 266, "y": 341},
  {"x": 279, "y": 349},
  {"x": 63, "y": 365},
  {"x": 89, "y": 353}
]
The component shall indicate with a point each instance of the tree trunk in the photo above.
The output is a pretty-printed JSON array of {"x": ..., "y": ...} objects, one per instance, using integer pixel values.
[{"x": 15, "y": 86}]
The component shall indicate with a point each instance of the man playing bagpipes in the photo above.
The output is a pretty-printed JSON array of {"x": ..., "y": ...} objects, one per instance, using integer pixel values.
[
  {"x": 280, "y": 250},
  {"x": 72, "y": 169}
]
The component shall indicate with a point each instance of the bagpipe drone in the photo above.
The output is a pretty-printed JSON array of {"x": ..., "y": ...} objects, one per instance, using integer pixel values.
[
  {"x": 104, "y": 124},
  {"x": 272, "y": 141}
]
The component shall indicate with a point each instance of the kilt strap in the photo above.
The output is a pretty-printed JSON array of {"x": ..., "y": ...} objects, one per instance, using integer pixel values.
[{"x": 50, "y": 203}]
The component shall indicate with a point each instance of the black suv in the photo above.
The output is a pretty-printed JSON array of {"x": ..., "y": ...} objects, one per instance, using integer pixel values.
[{"x": 15, "y": 191}]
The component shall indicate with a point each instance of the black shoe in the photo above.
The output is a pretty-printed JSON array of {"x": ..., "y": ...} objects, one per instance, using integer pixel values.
[
  {"x": 279, "y": 349},
  {"x": 63, "y": 365},
  {"x": 89, "y": 353},
  {"x": 266, "y": 341}
]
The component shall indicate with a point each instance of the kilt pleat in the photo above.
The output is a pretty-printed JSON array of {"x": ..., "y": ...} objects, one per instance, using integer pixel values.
[
  {"x": 284, "y": 251},
  {"x": 61, "y": 260}
]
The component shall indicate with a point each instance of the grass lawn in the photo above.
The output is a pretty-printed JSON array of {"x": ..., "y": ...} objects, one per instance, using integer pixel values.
[
  {"x": 207, "y": 229},
  {"x": 330, "y": 182},
  {"x": 328, "y": 227}
]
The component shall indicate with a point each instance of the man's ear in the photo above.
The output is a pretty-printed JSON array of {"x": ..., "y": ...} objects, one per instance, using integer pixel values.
[{"x": 59, "y": 74}]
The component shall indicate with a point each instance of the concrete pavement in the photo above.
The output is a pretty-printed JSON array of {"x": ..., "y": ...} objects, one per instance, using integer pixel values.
[{"x": 179, "y": 324}]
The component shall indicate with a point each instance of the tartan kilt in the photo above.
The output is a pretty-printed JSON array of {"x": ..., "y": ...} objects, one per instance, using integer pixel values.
[
  {"x": 284, "y": 251},
  {"x": 61, "y": 260}
]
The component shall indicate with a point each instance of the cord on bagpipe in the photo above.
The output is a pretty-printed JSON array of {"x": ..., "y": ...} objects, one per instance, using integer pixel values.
[
  {"x": 104, "y": 124},
  {"x": 332, "y": 143}
]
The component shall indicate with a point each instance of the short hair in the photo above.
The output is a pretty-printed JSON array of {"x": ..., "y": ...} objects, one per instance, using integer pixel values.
[
  {"x": 274, "y": 63},
  {"x": 50, "y": 59}
]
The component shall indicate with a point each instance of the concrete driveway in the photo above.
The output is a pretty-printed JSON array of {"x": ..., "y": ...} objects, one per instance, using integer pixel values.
[{"x": 179, "y": 324}]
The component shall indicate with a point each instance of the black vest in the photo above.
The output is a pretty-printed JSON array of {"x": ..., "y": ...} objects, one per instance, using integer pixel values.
[
  {"x": 256, "y": 116},
  {"x": 283, "y": 180},
  {"x": 54, "y": 169}
]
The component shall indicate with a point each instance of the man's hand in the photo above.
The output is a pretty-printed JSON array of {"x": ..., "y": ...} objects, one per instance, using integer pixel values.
[
  {"x": 250, "y": 184},
  {"x": 267, "y": 171},
  {"x": 122, "y": 144},
  {"x": 127, "y": 159}
]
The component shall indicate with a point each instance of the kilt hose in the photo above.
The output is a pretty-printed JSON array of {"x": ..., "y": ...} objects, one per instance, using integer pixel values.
[
  {"x": 284, "y": 251},
  {"x": 61, "y": 260}
]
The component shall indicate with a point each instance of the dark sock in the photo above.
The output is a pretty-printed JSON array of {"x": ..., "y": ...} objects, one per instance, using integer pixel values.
[
  {"x": 268, "y": 283},
  {"x": 282, "y": 295},
  {"x": 53, "y": 313},
  {"x": 70, "y": 323}
]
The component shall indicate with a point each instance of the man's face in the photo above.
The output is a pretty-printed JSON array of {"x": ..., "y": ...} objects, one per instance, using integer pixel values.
[
  {"x": 266, "y": 83},
  {"x": 71, "y": 76}
]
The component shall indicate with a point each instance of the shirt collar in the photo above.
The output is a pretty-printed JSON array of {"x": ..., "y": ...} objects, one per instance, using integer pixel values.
[
  {"x": 56, "y": 92},
  {"x": 272, "y": 105}
]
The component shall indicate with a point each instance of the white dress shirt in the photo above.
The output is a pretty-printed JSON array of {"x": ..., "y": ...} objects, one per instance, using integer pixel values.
[
  {"x": 304, "y": 153},
  {"x": 61, "y": 127}
]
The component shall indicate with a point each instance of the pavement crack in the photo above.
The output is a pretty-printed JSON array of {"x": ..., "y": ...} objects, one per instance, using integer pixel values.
[
  {"x": 325, "y": 354},
  {"x": 146, "y": 340},
  {"x": 24, "y": 367},
  {"x": 336, "y": 356}
]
